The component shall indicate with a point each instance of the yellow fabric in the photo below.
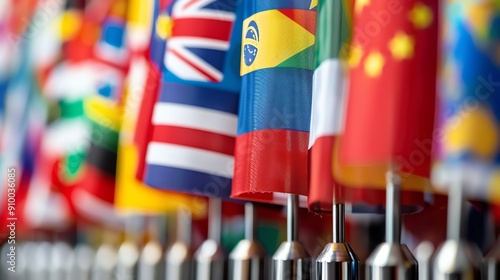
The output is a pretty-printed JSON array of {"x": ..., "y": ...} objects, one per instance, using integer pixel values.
[{"x": 133, "y": 196}]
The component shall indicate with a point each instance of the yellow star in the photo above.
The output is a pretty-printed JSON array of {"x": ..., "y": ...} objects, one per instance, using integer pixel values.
[
  {"x": 360, "y": 4},
  {"x": 314, "y": 3},
  {"x": 420, "y": 15},
  {"x": 401, "y": 46},
  {"x": 374, "y": 64},
  {"x": 355, "y": 56},
  {"x": 164, "y": 26}
]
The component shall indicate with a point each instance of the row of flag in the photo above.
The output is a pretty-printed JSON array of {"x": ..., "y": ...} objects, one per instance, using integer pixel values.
[{"x": 160, "y": 100}]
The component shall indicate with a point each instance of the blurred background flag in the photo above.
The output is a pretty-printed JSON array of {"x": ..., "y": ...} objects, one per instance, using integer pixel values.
[
  {"x": 275, "y": 106},
  {"x": 393, "y": 126},
  {"x": 469, "y": 107},
  {"x": 195, "y": 116},
  {"x": 328, "y": 100}
]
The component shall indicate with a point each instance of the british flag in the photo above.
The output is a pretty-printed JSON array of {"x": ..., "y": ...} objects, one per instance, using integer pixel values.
[
  {"x": 199, "y": 40},
  {"x": 194, "y": 119}
]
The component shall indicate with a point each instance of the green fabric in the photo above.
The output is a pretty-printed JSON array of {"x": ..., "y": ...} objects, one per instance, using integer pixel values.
[
  {"x": 71, "y": 109},
  {"x": 333, "y": 30}
]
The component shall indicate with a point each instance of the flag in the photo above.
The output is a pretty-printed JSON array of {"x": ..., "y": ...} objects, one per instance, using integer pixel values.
[
  {"x": 392, "y": 91},
  {"x": 195, "y": 115},
  {"x": 469, "y": 106},
  {"x": 328, "y": 100},
  {"x": 131, "y": 194},
  {"x": 88, "y": 178},
  {"x": 275, "y": 106},
  {"x": 161, "y": 27}
]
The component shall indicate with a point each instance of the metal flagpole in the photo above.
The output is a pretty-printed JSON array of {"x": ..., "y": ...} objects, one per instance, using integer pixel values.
[
  {"x": 128, "y": 253},
  {"x": 338, "y": 260},
  {"x": 151, "y": 262},
  {"x": 179, "y": 256},
  {"x": 210, "y": 258},
  {"x": 456, "y": 258},
  {"x": 391, "y": 259},
  {"x": 491, "y": 263},
  {"x": 248, "y": 259},
  {"x": 291, "y": 261}
]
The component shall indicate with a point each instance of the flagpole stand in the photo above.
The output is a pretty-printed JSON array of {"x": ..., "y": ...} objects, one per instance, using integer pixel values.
[
  {"x": 291, "y": 260},
  {"x": 456, "y": 258},
  {"x": 491, "y": 263},
  {"x": 338, "y": 260},
  {"x": 391, "y": 259},
  {"x": 247, "y": 261},
  {"x": 179, "y": 256},
  {"x": 106, "y": 257},
  {"x": 151, "y": 262},
  {"x": 210, "y": 258},
  {"x": 128, "y": 253}
]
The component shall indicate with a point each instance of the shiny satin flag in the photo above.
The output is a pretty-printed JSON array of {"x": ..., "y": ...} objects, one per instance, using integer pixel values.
[
  {"x": 392, "y": 91},
  {"x": 275, "y": 106},
  {"x": 470, "y": 106}
]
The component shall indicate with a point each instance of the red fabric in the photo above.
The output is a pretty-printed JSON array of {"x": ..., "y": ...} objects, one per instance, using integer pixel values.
[
  {"x": 144, "y": 125},
  {"x": 390, "y": 114},
  {"x": 275, "y": 151}
]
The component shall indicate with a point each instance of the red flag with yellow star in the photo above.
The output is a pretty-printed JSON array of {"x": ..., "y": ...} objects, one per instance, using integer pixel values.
[{"x": 392, "y": 91}]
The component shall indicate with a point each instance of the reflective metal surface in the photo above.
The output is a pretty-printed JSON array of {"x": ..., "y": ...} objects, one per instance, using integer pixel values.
[
  {"x": 60, "y": 261},
  {"x": 151, "y": 262},
  {"x": 248, "y": 260},
  {"x": 457, "y": 260},
  {"x": 491, "y": 263},
  {"x": 337, "y": 261},
  {"x": 210, "y": 261},
  {"x": 105, "y": 262},
  {"x": 424, "y": 253},
  {"x": 291, "y": 262},
  {"x": 391, "y": 261},
  {"x": 179, "y": 261},
  {"x": 81, "y": 262}
]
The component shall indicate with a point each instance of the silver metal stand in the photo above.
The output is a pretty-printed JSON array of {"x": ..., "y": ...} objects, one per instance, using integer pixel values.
[
  {"x": 152, "y": 262},
  {"x": 81, "y": 263},
  {"x": 128, "y": 254},
  {"x": 210, "y": 258},
  {"x": 491, "y": 263},
  {"x": 391, "y": 259},
  {"x": 338, "y": 260},
  {"x": 248, "y": 259},
  {"x": 179, "y": 256},
  {"x": 291, "y": 261},
  {"x": 106, "y": 258},
  {"x": 457, "y": 259},
  {"x": 60, "y": 261},
  {"x": 423, "y": 253}
]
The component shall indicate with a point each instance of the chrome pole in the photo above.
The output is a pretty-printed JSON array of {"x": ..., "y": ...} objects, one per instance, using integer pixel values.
[
  {"x": 291, "y": 260},
  {"x": 456, "y": 258},
  {"x": 248, "y": 259},
  {"x": 391, "y": 259},
  {"x": 152, "y": 261},
  {"x": 338, "y": 260},
  {"x": 210, "y": 258},
  {"x": 179, "y": 256}
]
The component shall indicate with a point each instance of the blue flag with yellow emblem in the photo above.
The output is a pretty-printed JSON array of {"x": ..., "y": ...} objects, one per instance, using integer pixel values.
[
  {"x": 275, "y": 105},
  {"x": 470, "y": 104}
]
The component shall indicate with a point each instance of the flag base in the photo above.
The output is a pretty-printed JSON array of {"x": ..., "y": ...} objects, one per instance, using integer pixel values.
[
  {"x": 179, "y": 260},
  {"x": 391, "y": 261},
  {"x": 457, "y": 260},
  {"x": 291, "y": 261},
  {"x": 128, "y": 261},
  {"x": 248, "y": 261},
  {"x": 151, "y": 265},
  {"x": 338, "y": 261},
  {"x": 210, "y": 261},
  {"x": 491, "y": 263}
]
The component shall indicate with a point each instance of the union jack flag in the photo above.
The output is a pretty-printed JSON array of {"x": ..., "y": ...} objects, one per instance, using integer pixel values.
[{"x": 201, "y": 32}]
